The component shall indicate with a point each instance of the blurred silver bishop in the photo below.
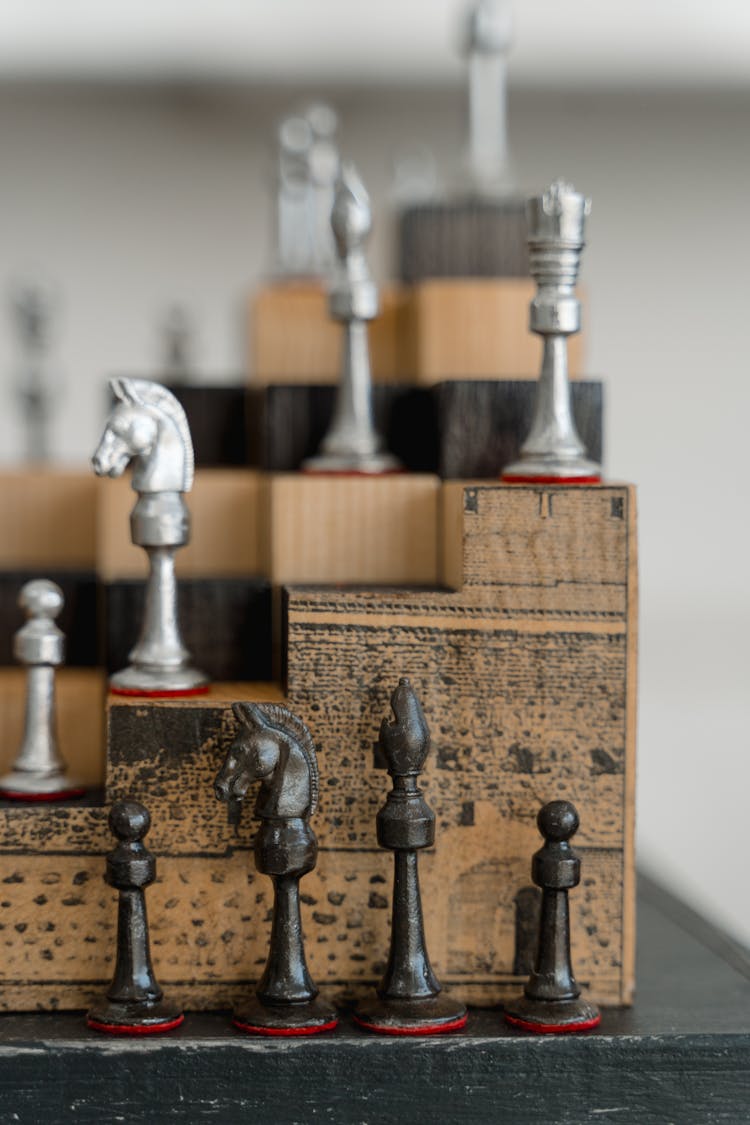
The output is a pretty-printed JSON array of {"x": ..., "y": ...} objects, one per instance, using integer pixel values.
[
  {"x": 352, "y": 444},
  {"x": 39, "y": 772},
  {"x": 148, "y": 427},
  {"x": 553, "y": 450}
]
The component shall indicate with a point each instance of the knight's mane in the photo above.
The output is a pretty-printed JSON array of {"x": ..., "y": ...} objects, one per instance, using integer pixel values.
[
  {"x": 144, "y": 392},
  {"x": 283, "y": 720}
]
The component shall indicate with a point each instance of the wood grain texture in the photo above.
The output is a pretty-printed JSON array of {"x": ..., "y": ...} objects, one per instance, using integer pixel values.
[
  {"x": 225, "y": 507},
  {"x": 478, "y": 328},
  {"x": 353, "y": 529},
  {"x": 80, "y": 719},
  {"x": 464, "y": 238},
  {"x": 294, "y": 340},
  {"x": 48, "y": 517}
]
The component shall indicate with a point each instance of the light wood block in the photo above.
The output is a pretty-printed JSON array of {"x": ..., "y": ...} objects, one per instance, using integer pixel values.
[
  {"x": 48, "y": 517},
  {"x": 294, "y": 340},
  {"x": 353, "y": 529},
  {"x": 225, "y": 507},
  {"x": 80, "y": 696},
  {"x": 477, "y": 328}
]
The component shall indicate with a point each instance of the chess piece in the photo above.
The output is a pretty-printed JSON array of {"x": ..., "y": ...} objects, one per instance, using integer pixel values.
[
  {"x": 149, "y": 428},
  {"x": 276, "y": 748},
  {"x": 408, "y": 1000},
  {"x": 489, "y": 37},
  {"x": 551, "y": 1001},
  {"x": 135, "y": 1004},
  {"x": 308, "y": 168},
  {"x": 39, "y": 772},
  {"x": 324, "y": 163},
  {"x": 553, "y": 453},
  {"x": 32, "y": 311},
  {"x": 352, "y": 444},
  {"x": 178, "y": 346}
]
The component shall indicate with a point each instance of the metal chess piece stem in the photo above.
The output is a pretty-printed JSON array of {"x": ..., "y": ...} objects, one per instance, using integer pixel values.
[
  {"x": 552, "y": 999},
  {"x": 39, "y": 772},
  {"x": 136, "y": 1004},
  {"x": 352, "y": 444},
  {"x": 148, "y": 427},
  {"x": 553, "y": 452},
  {"x": 274, "y": 747},
  {"x": 489, "y": 37},
  {"x": 408, "y": 999}
]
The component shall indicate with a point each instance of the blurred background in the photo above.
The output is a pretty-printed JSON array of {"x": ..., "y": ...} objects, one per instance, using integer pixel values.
[{"x": 138, "y": 175}]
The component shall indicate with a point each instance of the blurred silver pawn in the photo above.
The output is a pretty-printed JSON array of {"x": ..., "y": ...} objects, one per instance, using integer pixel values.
[
  {"x": 352, "y": 444},
  {"x": 488, "y": 38},
  {"x": 32, "y": 311},
  {"x": 39, "y": 772},
  {"x": 553, "y": 450}
]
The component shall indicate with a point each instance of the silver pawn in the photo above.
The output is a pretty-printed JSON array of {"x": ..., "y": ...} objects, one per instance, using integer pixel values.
[
  {"x": 553, "y": 451},
  {"x": 352, "y": 444},
  {"x": 488, "y": 39},
  {"x": 39, "y": 772}
]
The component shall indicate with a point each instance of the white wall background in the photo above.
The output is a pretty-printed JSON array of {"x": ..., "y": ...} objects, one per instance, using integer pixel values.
[{"x": 128, "y": 200}]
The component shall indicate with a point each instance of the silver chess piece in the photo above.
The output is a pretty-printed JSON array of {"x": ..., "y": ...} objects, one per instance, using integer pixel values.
[
  {"x": 148, "y": 427},
  {"x": 177, "y": 330},
  {"x": 352, "y": 444},
  {"x": 553, "y": 450},
  {"x": 39, "y": 772},
  {"x": 487, "y": 42},
  {"x": 308, "y": 167},
  {"x": 32, "y": 308}
]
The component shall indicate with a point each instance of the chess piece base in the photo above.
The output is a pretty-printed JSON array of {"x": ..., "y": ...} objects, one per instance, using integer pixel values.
[
  {"x": 308, "y": 1018},
  {"x": 552, "y": 470},
  {"x": 345, "y": 464},
  {"x": 432, "y": 1015},
  {"x": 134, "y": 1018},
  {"x": 28, "y": 785},
  {"x": 552, "y": 1017},
  {"x": 144, "y": 680}
]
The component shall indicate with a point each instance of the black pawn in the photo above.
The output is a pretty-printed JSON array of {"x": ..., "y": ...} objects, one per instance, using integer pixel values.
[
  {"x": 552, "y": 1001},
  {"x": 408, "y": 1001},
  {"x": 135, "y": 1002}
]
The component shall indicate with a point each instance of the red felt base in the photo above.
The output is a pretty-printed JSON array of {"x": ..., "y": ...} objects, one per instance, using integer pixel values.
[
  {"x": 553, "y": 1028},
  {"x": 202, "y": 690},
  {"x": 515, "y": 479},
  {"x": 123, "y": 1029},
  {"x": 34, "y": 798},
  {"x": 424, "y": 1029},
  {"x": 285, "y": 1032}
]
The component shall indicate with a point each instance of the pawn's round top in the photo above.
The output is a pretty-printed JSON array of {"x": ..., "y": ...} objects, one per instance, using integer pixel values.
[
  {"x": 489, "y": 27},
  {"x": 41, "y": 598},
  {"x": 129, "y": 820},
  {"x": 558, "y": 821}
]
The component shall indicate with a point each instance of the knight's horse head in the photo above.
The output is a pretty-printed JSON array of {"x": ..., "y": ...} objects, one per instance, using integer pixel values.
[
  {"x": 270, "y": 738},
  {"x": 148, "y": 427}
]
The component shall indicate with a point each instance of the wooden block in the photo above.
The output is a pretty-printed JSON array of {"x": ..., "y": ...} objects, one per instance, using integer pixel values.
[
  {"x": 464, "y": 238},
  {"x": 477, "y": 328},
  {"x": 481, "y": 425},
  {"x": 80, "y": 719},
  {"x": 225, "y": 506},
  {"x": 218, "y": 424},
  {"x": 288, "y": 423},
  {"x": 353, "y": 529},
  {"x": 225, "y": 624},
  {"x": 78, "y": 619},
  {"x": 527, "y": 674},
  {"x": 294, "y": 340},
  {"x": 48, "y": 517}
]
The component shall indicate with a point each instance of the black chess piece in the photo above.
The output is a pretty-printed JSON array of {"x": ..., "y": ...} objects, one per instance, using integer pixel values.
[
  {"x": 135, "y": 1004},
  {"x": 276, "y": 748},
  {"x": 551, "y": 1000},
  {"x": 408, "y": 1000}
]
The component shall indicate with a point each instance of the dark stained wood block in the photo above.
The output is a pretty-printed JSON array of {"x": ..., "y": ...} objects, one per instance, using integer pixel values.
[
  {"x": 482, "y": 424},
  {"x": 464, "y": 238},
  {"x": 225, "y": 622},
  {"x": 217, "y": 419},
  {"x": 78, "y": 619}
]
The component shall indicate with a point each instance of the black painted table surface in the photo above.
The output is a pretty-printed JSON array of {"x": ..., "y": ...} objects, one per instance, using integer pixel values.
[{"x": 681, "y": 1054}]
